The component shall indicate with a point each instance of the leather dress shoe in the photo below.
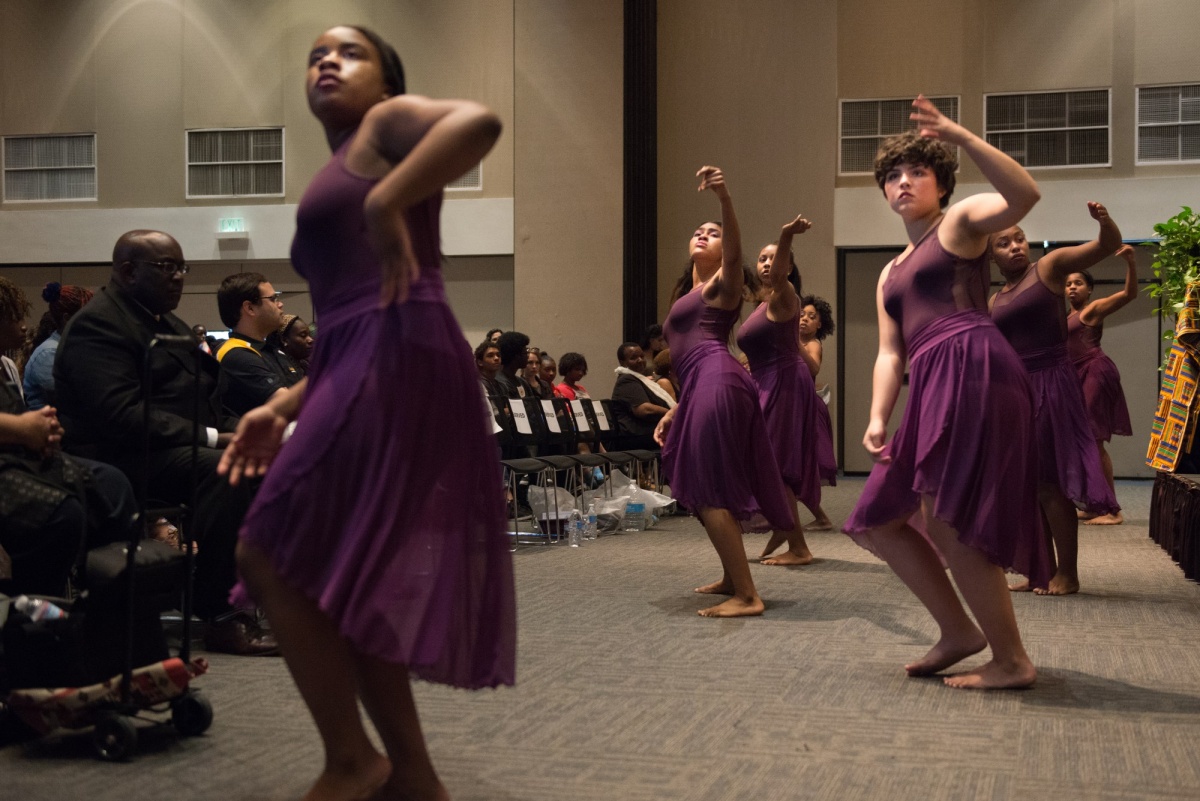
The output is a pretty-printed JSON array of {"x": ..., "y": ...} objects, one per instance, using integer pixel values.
[{"x": 239, "y": 635}]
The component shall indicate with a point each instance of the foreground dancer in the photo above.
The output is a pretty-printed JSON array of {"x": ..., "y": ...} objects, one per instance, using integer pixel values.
[
  {"x": 713, "y": 439},
  {"x": 770, "y": 338},
  {"x": 1102, "y": 392},
  {"x": 1030, "y": 312},
  {"x": 358, "y": 547},
  {"x": 964, "y": 453}
]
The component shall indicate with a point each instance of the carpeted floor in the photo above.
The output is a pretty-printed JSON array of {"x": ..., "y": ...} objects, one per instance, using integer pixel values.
[{"x": 625, "y": 693}]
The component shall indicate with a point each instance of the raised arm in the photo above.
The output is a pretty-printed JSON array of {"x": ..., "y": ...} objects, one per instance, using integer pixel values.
[
  {"x": 887, "y": 377},
  {"x": 784, "y": 302},
  {"x": 729, "y": 281},
  {"x": 1056, "y": 265},
  {"x": 969, "y": 221},
  {"x": 428, "y": 143},
  {"x": 1098, "y": 309}
]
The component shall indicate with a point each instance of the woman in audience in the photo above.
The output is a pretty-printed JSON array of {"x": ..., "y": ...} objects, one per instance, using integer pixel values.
[
  {"x": 64, "y": 301},
  {"x": 964, "y": 454},
  {"x": 542, "y": 389},
  {"x": 546, "y": 372},
  {"x": 1102, "y": 392},
  {"x": 713, "y": 439},
  {"x": 664, "y": 376},
  {"x": 770, "y": 339},
  {"x": 572, "y": 367},
  {"x": 1030, "y": 312},
  {"x": 367, "y": 562},
  {"x": 295, "y": 339}
]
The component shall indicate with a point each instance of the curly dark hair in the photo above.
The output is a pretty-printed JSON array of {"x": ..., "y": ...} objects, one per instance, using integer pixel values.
[
  {"x": 912, "y": 148},
  {"x": 13, "y": 303},
  {"x": 824, "y": 313},
  {"x": 483, "y": 347},
  {"x": 570, "y": 361}
]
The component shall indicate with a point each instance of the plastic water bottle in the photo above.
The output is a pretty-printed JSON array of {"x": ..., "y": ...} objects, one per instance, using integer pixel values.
[
  {"x": 635, "y": 517},
  {"x": 592, "y": 529},
  {"x": 38, "y": 609},
  {"x": 575, "y": 529}
]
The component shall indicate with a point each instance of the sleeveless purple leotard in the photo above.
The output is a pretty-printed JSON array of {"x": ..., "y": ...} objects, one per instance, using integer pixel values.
[
  {"x": 717, "y": 454},
  {"x": 826, "y": 460},
  {"x": 1100, "y": 378},
  {"x": 967, "y": 435},
  {"x": 385, "y": 506},
  {"x": 787, "y": 398},
  {"x": 1034, "y": 321}
]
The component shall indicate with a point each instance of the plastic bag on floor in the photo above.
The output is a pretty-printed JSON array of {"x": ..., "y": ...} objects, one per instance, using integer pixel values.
[
  {"x": 656, "y": 504},
  {"x": 551, "y": 518}
]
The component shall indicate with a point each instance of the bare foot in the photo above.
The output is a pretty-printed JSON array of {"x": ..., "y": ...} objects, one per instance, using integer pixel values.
[
  {"x": 1020, "y": 586},
  {"x": 722, "y": 587},
  {"x": 790, "y": 558},
  {"x": 1083, "y": 515},
  {"x": 946, "y": 653},
  {"x": 393, "y": 792},
  {"x": 994, "y": 677},
  {"x": 735, "y": 607},
  {"x": 1060, "y": 585},
  {"x": 774, "y": 542},
  {"x": 819, "y": 525},
  {"x": 351, "y": 782},
  {"x": 1106, "y": 520}
]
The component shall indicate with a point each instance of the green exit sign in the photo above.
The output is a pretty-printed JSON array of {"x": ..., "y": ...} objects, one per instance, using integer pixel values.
[{"x": 231, "y": 225}]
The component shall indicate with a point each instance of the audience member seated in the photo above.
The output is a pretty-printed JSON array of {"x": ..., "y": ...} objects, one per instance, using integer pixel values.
[
  {"x": 14, "y": 308},
  {"x": 252, "y": 371},
  {"x": 637, "y": 402},
  {"x": 98, "y": 377},
  {"x": 487, "y": 361},
  {"x": 493, "y": 336},
  {"x": 39, "y": 369},
  {"x": 533, "y": 375},
  {"x": 205, "y": 342},
  {"x": 653, "y": 343},
  {"x": 295, "y": 339},
  {"x": 513, "y": 358},
  {"x": 664, "y": 376},
  {"x": 573, "y": 367}
]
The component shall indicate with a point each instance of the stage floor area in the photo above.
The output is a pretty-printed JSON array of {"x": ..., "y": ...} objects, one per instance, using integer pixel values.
[{"x": 625, "y": 693}]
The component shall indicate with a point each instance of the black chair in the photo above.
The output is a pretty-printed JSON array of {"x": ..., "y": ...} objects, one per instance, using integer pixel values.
[{"x": 525, "y": 429}]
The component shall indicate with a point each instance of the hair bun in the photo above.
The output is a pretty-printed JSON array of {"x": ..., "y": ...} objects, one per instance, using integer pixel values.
[{"x": 52, "y": 292}]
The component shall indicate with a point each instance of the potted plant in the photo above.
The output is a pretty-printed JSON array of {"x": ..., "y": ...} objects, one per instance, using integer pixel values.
[{"x": 1176, "y": 265}]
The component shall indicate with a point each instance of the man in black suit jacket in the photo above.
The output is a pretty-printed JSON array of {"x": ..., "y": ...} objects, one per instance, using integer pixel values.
[{"x": 98, "y": 380}]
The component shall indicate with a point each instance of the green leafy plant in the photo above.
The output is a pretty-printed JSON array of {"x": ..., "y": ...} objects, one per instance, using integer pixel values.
[{"x": 1176, "y": 265}]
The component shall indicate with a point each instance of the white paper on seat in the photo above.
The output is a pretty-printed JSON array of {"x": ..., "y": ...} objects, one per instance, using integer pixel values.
[
  {"x": 601, "y": 418},
  {"x": 581, "y": 422},
  {"x": 521, "y": 419},
  {"x": 551, "y": 417}
]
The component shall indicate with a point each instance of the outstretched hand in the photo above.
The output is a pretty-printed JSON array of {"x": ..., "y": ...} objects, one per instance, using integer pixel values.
[
  {"x": 797, "y": 226},
  {"x": 398, "y": 264},
  {"x": 1127, "y": 253},
  {"x": 259, "y": 435},
  {"x": 712, "y": 178},
  {"x": 1098, "y": 212},
  {"x": 933, "y": 123}
]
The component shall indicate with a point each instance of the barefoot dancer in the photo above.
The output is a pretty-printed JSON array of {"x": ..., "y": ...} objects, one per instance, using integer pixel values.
[
  {"x": 770, "y": 339},
  {"x": 816, "y": 323},
  {"x": 712, "y": 438},
  {"x": 1029, "y": 311},
  {"x": 371, "y": 568},
  {"x": 964, "y": 453},
  {"x": 1102, "y": 393}
]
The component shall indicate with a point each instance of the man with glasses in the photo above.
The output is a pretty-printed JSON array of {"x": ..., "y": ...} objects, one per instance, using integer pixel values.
[
  {"x": 101, "y": 403},
  {"x": 252, "y": 370}
]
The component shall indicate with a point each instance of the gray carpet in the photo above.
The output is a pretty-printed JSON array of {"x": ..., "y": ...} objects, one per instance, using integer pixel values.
[{"x": 624, "y": 693}]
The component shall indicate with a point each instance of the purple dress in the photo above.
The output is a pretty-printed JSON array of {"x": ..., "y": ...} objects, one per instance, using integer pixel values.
[
  {"x": 967, "y": 436},
  {"x": 787, "y": 397},
  {"x": 385, "y": 506},
  {"x": 717, "y": 454},
  {"x": 826, "y": 460},
  {"x": 1100, "y": 378},
  {"x": 1033, "y": 319}
]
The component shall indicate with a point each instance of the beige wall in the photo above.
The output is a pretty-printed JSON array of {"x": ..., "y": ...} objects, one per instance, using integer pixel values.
[{"x": 568, "y": 187}]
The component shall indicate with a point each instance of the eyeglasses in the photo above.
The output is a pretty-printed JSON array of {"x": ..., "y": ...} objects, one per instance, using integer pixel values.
[
  {"x": 277, "y": 298},
  {"x": 168, "y": 267}
]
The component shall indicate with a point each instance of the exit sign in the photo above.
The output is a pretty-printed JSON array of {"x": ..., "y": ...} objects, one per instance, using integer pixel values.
[{"x": 231, "y": 225}]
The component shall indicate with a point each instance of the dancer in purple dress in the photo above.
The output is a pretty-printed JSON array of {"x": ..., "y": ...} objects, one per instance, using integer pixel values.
[
  {"x": 1102, "y": 393},
  {"x": 712, "y": 439},
  {"x": 816, "y": 323},
  {"x": 770, "y": 339},
  {"x": 964, "y": 454},
  {"x": 359, "y": 546},
  {"x": 1030, "y": 312}
]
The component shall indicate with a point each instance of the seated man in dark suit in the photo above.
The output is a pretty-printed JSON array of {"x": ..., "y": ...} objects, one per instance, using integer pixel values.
[
  {"x": 637, "y": 402},
  {"x": 98, "y": 376},
  {"x": 252, "y": 371}
]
